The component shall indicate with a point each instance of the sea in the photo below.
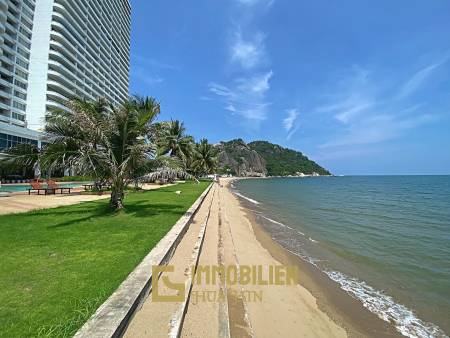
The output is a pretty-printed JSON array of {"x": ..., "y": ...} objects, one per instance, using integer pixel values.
[{"x": 384, "y": 239}]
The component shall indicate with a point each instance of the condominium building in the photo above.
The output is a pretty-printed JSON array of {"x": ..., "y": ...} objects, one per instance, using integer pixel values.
[
  {"x": 55, "y": 50},
  {"x": 79, "y": 48},
  {"x": 16, "y": 26}
]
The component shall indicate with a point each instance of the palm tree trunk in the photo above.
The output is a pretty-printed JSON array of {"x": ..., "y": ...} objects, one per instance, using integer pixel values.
[{"x": 117, "y": 195}]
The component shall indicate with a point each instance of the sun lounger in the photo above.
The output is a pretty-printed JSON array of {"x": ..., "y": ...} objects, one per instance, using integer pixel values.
[
  {"x": 36, "y": 186},
  {"x": 53, "y": 185}
]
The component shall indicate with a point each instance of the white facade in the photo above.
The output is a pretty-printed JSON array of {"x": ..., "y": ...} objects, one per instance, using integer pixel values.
[
  {"x": 79, "y": 48},
  {"x": 54, "y": 50},
  {"x": 16, "y": 25}
]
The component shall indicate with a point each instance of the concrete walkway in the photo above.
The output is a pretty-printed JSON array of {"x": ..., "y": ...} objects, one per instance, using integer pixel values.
[{"x": 18, "y": 203}]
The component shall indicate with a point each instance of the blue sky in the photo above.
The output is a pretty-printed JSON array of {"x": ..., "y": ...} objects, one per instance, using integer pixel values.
[{"x": 362, "y": 87}]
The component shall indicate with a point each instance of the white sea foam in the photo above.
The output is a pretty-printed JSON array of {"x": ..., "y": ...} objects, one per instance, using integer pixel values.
[
  {"x": 386, "y": 308},
  {"x": 281, "y": 224},
  {"x": 313, "y": 240},
  {"x": 273, "y": 221},
  {"x": 304, "y": 257},
  {"x": 246, "y": 198}
]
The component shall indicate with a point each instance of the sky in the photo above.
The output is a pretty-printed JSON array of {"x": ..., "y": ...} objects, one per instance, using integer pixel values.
[{"x": 359, "y": 86}]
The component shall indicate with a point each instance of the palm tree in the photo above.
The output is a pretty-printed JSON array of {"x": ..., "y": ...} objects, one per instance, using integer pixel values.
[
  {"x": 97, "y": 139},
  {"x": 173, "y": 141},
  {"x": 166, "y": 168},
  {"x": 205, "y": 158}
]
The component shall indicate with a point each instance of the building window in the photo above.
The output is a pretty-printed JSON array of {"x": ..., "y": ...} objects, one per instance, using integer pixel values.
[
  {"x": 3, "y": 141},
  {"x": 8, "y": 141},
  {"x": 20, "y": 51},
  {"x": 20, "y": 84},
  {"x": 28, "y": 25},
  {"x": 24, "y": 42},
  {"x": 20, "y": 95},
  {"x": 19, "y": 117},
  {"x": 21, "y": 73},
  {"x": 19, "y": 105},
  {"x": 22, "y": 63},
  {"x": 27, "y": 13},
  {"x": 25, "y": 32},
  {"x": 29, "y": 4}
]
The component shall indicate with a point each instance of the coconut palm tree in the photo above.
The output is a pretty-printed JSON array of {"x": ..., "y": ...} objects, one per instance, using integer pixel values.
[
  {"x": 99, "y": 140},
  {"x": 173, "y": 141},
  {"x": 205, "y": 158},
  {"x": 166, "y": 168}
]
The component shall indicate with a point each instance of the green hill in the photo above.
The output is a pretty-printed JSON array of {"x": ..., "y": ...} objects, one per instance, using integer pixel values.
[{"x": 283, "y": 161}]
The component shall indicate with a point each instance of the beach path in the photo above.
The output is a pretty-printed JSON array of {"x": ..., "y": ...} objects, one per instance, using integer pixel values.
[{"x": 224, "y": 309}]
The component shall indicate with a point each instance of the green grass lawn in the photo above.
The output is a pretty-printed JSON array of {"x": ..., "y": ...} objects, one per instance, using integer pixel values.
[{"x": 58, "y": 265}]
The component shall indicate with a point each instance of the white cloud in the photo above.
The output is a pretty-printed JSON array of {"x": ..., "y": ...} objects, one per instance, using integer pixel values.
[
  {"x": 352, "y": 110},
  {"x": 289, "y": 121},
  {"x": 368, "y": 113},
  {"x": 249, "y": 53},
  {"x": 376, "y": 129},
  {"x": 257, "y": 85},
  {"x": 247, "y": 2},
  {"x": 250, "y": 3},
  {"x": 418, "y": 79},
  {"x": 247, "y": 96},
  {"x": 352, "y": 96},
  {"x": 231, "y": 108},
  {"x": 143, "y": 76},
  {"x": 292, "y": 132},
  {"x": 220, "y": 90}
]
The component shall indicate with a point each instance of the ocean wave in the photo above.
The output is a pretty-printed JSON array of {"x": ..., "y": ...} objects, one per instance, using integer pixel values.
[
  {"x": 273, "y": 221},
  {"x": 313, "y": 240},
  {"x": 386, "y": 308},
  {"x": 246, "y": 198}
]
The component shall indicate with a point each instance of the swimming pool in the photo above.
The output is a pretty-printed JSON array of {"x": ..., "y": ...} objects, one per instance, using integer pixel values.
[{"x": 25, "y": 187}]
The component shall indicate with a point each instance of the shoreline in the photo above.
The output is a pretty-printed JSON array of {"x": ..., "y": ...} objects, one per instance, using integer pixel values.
[
  {"x": 344, "y": 310},
  {"x": 234, "y": 236}
]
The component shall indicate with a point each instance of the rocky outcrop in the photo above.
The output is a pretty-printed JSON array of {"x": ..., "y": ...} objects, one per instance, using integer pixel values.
[
  {"x": 237, "y": 158},
  {"x": 261, "y": 158},
  {"x": 286, "y": 162}
]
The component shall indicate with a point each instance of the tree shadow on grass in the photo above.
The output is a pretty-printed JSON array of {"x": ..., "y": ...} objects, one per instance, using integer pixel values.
[
  {"x": 135, "y": 210},
  {"x": 145, "y": 209},
  {"x": 66, "y": 216}
]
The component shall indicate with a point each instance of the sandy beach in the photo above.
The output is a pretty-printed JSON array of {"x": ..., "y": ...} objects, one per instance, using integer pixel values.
[{"x": 314, "y": 307}]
